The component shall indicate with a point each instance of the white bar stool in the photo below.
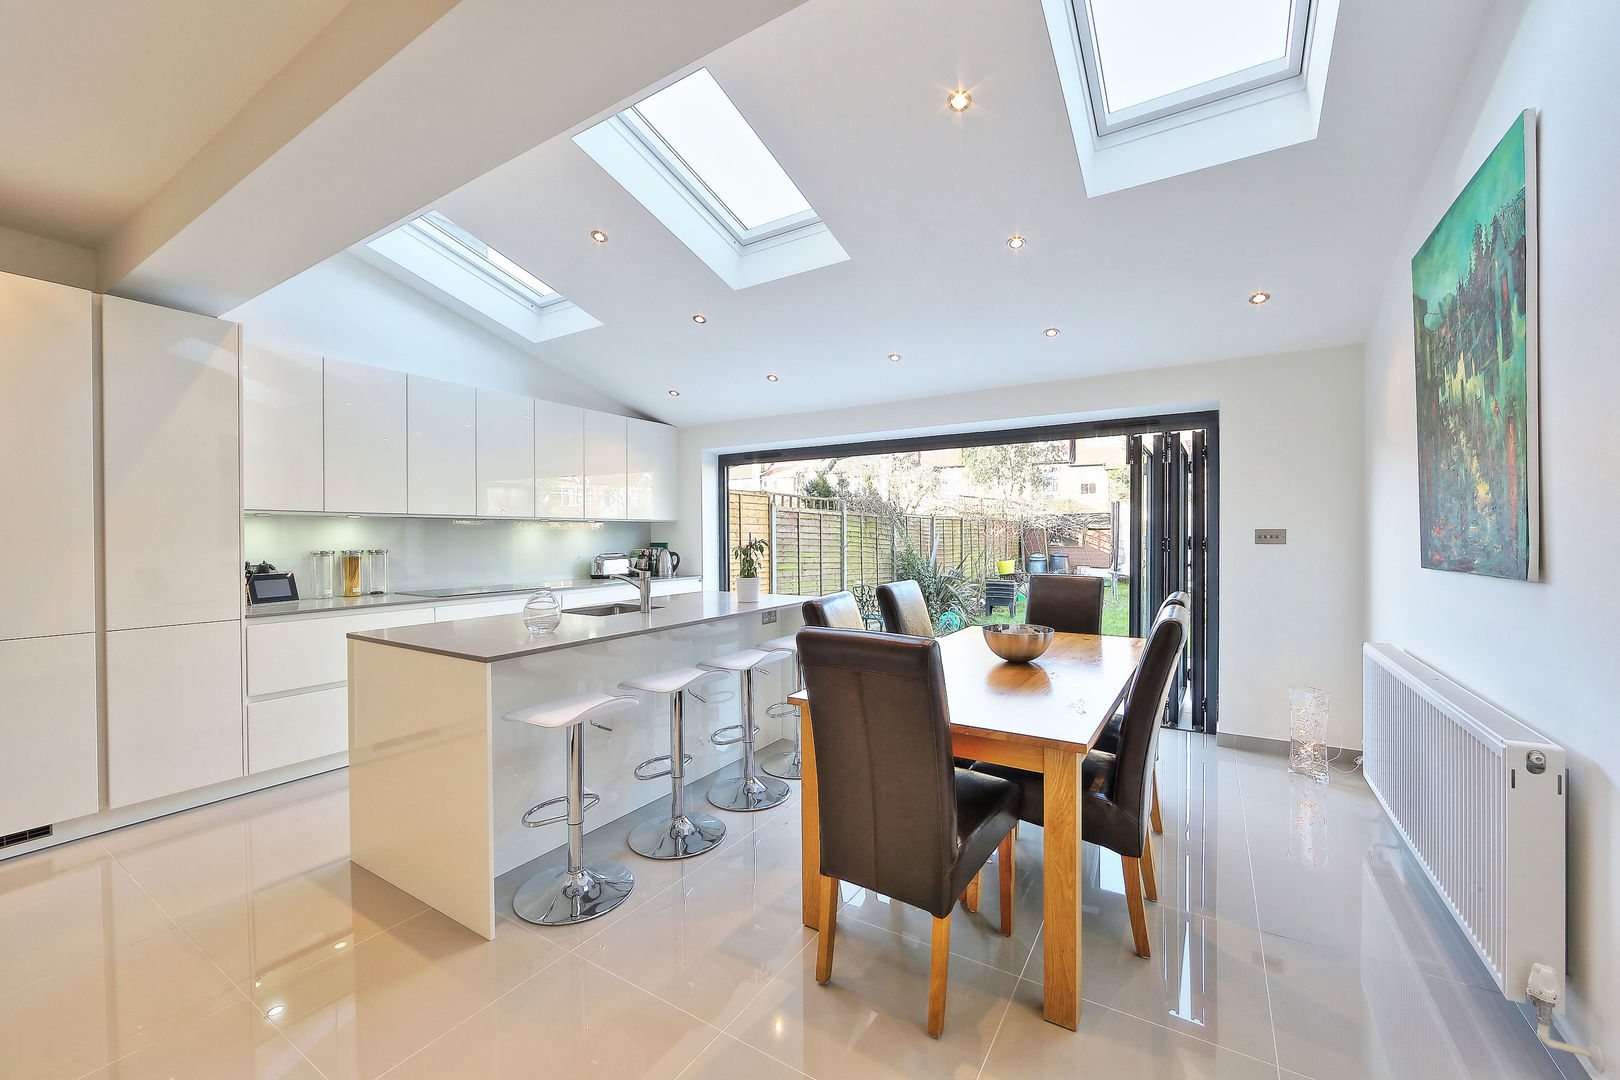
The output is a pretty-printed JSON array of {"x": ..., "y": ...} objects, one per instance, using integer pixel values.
[
  {"x": 681, "y": 834},
  {"x": 749, "y": 791},
  {"x": 789, "y": 764},
  {"x": 574, "y": 893}
]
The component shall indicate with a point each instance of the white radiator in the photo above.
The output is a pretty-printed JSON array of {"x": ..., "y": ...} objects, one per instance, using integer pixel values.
[{"x": 1479, "y": 797}]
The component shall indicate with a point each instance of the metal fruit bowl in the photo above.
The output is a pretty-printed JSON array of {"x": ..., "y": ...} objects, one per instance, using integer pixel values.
[{"x": 1018, "y": 642}]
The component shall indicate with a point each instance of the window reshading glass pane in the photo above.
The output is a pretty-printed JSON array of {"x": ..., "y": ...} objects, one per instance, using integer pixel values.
[
  {"x": 1147, "y": 49},
  {"x": 700, "y": 124},
  {"x": 494, "y": 263}
]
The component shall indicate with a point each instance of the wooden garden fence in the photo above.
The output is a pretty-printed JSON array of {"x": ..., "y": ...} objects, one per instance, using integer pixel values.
[{"x": 820, "y": 546}]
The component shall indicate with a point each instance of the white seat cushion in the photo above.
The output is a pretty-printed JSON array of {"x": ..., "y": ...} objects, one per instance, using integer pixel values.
[
  {"x": 745, "y": 659},
  {"x": 671, "y": 681},
  {"x": 571, "y": 710},
  {"x": 787, "y": 643}
]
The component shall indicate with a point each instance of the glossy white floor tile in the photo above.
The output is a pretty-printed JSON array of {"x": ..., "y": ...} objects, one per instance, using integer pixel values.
[{"x": 1294, "y": 938}]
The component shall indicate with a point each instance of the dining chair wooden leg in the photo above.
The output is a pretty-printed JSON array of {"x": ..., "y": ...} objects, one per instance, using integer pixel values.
[
  {"x": 1158, "y": 818},
  {"x": 1133, "y": 899},
  {"x": 938, "y": 976},
  {"x": 1004, "y": 873},
  {"x": 1150, "y": 874},
  {"x": 970, "y": 895},
  {"x": 828, "y": 928}
]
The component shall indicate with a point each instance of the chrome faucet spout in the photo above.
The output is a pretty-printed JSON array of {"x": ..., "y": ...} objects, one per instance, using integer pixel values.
[{"x": 642, "y": 580}]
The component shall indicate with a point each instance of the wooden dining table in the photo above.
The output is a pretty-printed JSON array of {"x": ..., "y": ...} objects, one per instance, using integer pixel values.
[{"x": 1041, "y": 716}]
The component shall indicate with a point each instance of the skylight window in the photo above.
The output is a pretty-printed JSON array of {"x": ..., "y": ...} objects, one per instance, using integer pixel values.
[
  {"x": 690, "y": 157},
  {"x": 450, "y": 264},
  {"x": 1163, "y": 88},
  {"x": 1145, "y": 61},
  {"x": 701, "y": 130},
  {"x": 459, "y": 244}
]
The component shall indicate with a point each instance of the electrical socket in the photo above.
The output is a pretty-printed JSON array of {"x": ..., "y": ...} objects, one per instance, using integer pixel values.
[
  {"x": 767, "y": 617},
  {"x": 1271, "y": 536}
]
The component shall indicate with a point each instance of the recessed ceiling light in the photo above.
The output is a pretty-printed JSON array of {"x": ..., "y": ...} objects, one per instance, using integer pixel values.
[
  {"x": 674, "y": 393},
  {"x": 894, "y": 358},
  {"x": 772, "y": 378},
  {"x": 1050, "y": 331},
  {"x": 1015, "y": 242},
  {"x": 700, "y": 318},
  {"x": 599, "y": 236},
  {"x": 275, "y": 1010},
  {"x": 1259, "y": 298},
  {"x": 959, "y": 100}
]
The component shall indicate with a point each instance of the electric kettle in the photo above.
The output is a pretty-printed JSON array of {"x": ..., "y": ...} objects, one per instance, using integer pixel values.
[{"x": 664, "y": 561}]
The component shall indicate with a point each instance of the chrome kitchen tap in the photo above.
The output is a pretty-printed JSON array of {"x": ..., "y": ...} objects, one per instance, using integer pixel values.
[{"x": 642, "y": 580}]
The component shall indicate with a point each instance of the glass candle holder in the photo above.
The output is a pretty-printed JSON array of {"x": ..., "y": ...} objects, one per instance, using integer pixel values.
[{"x": 543, "y": 613}]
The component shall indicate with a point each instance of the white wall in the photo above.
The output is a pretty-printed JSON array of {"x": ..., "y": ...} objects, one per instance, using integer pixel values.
[
  {"x": 48, "y": 260},
  {"x": 346, "y": 309},
  {"x": 1291, "y": 457},
  {"x": 1545, "y": 652}
]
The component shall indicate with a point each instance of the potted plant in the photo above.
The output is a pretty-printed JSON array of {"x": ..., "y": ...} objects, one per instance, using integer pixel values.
[{"x": 747, "y": 556}]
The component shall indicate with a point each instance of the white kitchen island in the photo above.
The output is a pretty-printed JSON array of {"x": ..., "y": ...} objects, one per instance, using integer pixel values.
[{"x": 438, "y": 781}]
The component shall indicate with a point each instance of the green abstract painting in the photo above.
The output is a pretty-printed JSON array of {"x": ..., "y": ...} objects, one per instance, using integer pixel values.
[{"x": 1474, "y": 327}]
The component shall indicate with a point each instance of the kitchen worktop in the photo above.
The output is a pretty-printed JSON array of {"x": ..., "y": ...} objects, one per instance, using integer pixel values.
[
  {"x": 312, "y": 605},
  {"x": 505, "y": 637}
]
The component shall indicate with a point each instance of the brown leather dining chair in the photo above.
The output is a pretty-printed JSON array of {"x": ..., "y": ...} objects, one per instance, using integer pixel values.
[
  {"x": 904, "y": 609},
  {"x": 1115, "y": 806},
  {"x": 896, "y": 817},
  {"x": 1108, "y": 737},
  {"x": 1068, "y": 603},
  {"x": 838, "y": 610}
]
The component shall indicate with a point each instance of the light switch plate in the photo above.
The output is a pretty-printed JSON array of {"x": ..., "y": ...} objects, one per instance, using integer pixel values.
[
  {"x": 1271, "y": 536},
  {"x": 767, "y": 617}
]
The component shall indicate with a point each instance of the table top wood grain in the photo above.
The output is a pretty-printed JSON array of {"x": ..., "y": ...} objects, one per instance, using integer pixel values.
[{"x": 1058, "y": 702}]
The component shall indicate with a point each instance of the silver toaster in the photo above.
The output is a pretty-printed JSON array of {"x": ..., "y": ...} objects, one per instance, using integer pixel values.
[{"x": 609, "y": 563}]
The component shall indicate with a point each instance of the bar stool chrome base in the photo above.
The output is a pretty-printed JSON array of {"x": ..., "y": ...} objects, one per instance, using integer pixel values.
[
  {"x": 562, "y": 897},
  {"x": 746, "y": 793},
  {"x": 677, "y": 837}
]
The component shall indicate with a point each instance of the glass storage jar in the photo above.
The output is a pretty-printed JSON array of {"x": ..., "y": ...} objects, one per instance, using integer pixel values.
[
  {"x": 377, "y": 571},
  {"x": 350, "y": 561},
  {"x": 322, "y": 573}
]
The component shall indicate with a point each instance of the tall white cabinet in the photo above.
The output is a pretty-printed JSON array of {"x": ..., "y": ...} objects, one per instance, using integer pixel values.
[
  {"x": 172, "y": 524},
  {"x": 559, "y": 460},
  {"x": 505, "y": 454},
  {"x": 283, "y": 441},
  {"x": 441, "y": 472},
  {"x": 605, "y": 487},
  {"x": 48, "y": 765},
  {"x": 365, "y": 439},
  {"x": 649, "y": 470}
]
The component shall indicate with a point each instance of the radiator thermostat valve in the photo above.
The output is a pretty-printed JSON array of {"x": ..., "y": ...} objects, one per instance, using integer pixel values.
[{"x": 1544, "y": 989}]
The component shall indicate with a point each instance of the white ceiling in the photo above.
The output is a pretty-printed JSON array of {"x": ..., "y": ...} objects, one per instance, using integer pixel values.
[
  {"x": 850, "y": 97},
  {"x": 118, "y": 95}
]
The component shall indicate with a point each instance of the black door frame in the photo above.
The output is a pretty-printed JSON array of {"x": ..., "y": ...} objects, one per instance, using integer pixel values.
[{"x": 1206, "y": 605}]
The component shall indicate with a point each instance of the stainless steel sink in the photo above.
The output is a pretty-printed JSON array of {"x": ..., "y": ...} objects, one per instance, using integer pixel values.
[{"x": 612, "y": 609}]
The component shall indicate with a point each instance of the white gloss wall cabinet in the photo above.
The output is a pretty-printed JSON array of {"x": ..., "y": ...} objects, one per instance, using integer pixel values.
[
  {"x": 172, "y": 492},
  {"x": 283, "y": 426},
  {"x": 47, "y": 446},
  {"x": 650, "y": 470},
  {"x": 604, "y": 465},
  {"x": 505, "y": 454},
  {"x": 559, "y": 460},
  {"x": 442, "y": 463},
  {"x": 365, "y": 439},
  {"x": 174, "y": 709},
  {"x": 48, "y": 768}
]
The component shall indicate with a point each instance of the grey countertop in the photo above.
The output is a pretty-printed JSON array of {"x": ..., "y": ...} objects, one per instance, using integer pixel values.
[
  {"x": 313, "y": 605},
  {"x": 505, "y": 637}
]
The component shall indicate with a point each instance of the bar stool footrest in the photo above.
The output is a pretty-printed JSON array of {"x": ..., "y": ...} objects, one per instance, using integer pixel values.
[
  {"x": 669, "y": 766},
  {"x": 589, "y": 800},
  {"x": 722, "y": 736}
]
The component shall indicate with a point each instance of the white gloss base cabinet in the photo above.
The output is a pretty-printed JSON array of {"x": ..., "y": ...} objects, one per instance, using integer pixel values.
[
  {"x": 441, "y": 473},
  {"x": 48, "y": 765},
  {"x": 297, "y": 654},
  {"x": 299, "y": 727},
  {"x": 505, "y": 455},
  {"x": 365, "y": 439},
  {"x": 47, "y": 481},
  {"x": 174, "y": 709},
  {"x": 283, "y": 436},
  {"x": 172, "y": 487}
]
